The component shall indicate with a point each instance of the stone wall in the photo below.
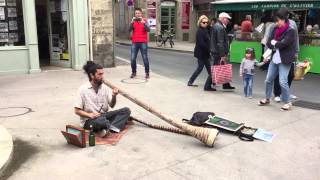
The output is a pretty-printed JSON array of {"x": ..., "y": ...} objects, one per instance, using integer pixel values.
[{"x": 102, "y": 32}]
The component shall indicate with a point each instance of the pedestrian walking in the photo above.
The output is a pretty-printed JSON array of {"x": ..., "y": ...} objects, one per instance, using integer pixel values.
[
  {"x": 139, "y": 27},
  {"x": 247, "y": 72},
  {"x": 219, "y": 48},
  {"x": 201, "y": 50},
  {"x": 283, "y": 43},
  {"x": 276, "y": 86}
]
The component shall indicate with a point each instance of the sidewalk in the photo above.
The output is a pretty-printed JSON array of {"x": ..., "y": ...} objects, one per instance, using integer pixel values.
[
  {"x": 179, "y": 46},
  {"x": 41, "y": 151}
]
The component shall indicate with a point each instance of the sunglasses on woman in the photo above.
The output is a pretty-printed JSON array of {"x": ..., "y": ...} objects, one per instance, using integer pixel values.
[{"x": 204, "y": 22}]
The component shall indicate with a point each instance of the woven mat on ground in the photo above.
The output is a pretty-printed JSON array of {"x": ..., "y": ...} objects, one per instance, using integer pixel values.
[{"x": 112, "y": 138}]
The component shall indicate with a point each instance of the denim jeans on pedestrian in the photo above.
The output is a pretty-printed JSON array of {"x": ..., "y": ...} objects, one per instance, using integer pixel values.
[
  {"x": 276, "y": 85},
  {"x": 143, "y": 47},
  {"x": 201, "y": 63},
  {"x": 282, "y": 70},
  {"x": 248, "y": 84}
]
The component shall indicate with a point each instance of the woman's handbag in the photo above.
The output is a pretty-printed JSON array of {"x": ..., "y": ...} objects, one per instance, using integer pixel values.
[{"x": 222, "y": 73}]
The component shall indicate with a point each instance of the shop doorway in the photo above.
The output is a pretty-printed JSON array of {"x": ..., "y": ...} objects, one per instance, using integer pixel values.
[
  {"x": 168, "y": 16},
  {"x": 53, "y": 33}
]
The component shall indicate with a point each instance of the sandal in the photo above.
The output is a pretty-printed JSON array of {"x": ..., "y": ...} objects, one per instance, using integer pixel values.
[
  {"x": 286, "y": 107},
  {"x": 264, "y": 102}
]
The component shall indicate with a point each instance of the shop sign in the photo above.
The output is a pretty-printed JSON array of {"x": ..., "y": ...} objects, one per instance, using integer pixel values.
[
  {"x": 265, "y": 6},
  {"x": 185, "y": 15},
  {"x": 152, "y": 13},
  {"x": 168, "y": 3}
]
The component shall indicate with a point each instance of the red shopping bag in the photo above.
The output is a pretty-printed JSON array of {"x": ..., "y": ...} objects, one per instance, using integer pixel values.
[{"x": 222, "y": 73}]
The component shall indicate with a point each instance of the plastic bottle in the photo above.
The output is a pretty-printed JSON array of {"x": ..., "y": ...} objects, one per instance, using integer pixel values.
[{"x": 92, "y": 139}]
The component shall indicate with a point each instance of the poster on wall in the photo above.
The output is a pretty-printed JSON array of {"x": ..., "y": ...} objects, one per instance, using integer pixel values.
[
  {"x": 12, "y": 12},
  {"x": 3, "y": 27},
  {"x": 185, "y": 15},
  {"x": 152, "y": 13},
  {"x": 2, "y": 14},
  {"x": 152, "y": 22},
  {"x": 152, "y": 4},
  {"x": 2, "y": 2},
  {"x": 13, "y": 26},
  {"x": 11, "y": 3},
  {"x": 13, "y": 37},
  {"x": 4, "y": 37}
]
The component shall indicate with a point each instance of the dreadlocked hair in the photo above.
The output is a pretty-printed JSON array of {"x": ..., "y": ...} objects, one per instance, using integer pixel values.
[{"x": 91, "y": 68}]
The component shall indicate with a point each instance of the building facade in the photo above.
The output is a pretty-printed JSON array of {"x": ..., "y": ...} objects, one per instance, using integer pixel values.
[
  {"x": 176, "y": 16},
  {"x": 35, "y": 34}
]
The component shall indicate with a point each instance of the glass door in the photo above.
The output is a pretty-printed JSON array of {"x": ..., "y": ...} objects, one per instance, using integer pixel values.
[
  {"x": 168, "y": 18},
  {"x": 58, "y": 18}
]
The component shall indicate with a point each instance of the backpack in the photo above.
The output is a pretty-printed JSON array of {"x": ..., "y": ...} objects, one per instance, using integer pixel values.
[{"x": 198, "y": 118}]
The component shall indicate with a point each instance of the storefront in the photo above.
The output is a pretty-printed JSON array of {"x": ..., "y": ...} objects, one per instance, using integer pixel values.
[
  {"x": 39, "y": 33},
  {"x": 309, "y": 46}
]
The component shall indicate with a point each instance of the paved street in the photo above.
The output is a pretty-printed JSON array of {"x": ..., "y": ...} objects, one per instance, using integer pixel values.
[
  {"x": 40, "y": 151},
  {"x": 179, "y": 66}
]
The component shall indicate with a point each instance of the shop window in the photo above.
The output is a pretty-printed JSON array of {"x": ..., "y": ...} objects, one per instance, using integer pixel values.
[{"x": 11, "y": 23}]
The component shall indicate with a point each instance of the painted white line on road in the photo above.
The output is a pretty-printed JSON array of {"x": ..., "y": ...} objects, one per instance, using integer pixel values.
[
  {"x": 123, "y": 59},
  {"x": 128, "y": 61}
]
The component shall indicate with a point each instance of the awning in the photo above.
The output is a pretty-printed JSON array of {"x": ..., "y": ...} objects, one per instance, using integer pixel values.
[{"x": 254, "y": 5}]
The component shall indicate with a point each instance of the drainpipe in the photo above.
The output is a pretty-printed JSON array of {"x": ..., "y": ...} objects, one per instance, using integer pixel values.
[{"x": 90, "y": 32}]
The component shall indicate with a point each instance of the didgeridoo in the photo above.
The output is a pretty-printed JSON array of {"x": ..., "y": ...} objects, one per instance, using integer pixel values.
[{"x": 205, "y": 135}]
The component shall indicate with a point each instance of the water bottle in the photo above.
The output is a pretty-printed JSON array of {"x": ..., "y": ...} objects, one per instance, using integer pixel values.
[{"x": 92, "y": 138}]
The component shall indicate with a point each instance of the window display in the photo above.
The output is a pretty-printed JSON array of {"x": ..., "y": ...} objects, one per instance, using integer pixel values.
[
  {"x": 59, "y": 30},
  {"x": 11, "y": 23}
]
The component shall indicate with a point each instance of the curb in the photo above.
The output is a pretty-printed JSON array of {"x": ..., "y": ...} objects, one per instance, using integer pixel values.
[
  {"x": 158, "y": 48},
  {"x": 6, "y": 149}
]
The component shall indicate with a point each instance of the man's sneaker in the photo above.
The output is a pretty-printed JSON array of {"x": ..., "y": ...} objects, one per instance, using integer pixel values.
[
  {"x": 114, "y": 129},
  {"x": 293, "y": 97},
  {"x": 103, "y": 133},
  {"x": 133, "y": 75},
  {"x": 277, "y": 99},
  {"x": 147, "y": 76},
  {"x": 209, "y": 89},
  {"x": 228, "y": 87}
]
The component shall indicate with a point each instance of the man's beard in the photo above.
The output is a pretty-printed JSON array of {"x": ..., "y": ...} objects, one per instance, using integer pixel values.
[{"x": 98, "y": 82}]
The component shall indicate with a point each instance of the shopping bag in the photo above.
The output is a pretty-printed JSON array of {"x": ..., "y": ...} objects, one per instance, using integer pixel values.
[
  {"x": 260, "y": 28},
  {"x": 267, "y": 54},
  {"x": 301, "y": 69},
  {"x": 299, "y": 73},
  {"x": 222, "y": 73}
]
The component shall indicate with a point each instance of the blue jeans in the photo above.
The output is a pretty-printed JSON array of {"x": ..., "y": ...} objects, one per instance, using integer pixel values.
[
  {"x": 143, "y": 47},
  {"x": 248, "y": 84},
  {"x": 282, "y": 70},
  {"x": 201, "y": 63}
]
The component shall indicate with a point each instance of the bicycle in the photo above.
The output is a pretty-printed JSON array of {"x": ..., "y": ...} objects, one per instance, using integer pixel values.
[{"x": 163, "y": 37}]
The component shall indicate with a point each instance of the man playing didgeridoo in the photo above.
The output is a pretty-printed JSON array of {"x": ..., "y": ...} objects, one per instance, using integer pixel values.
[{"x": 93, "y": 100}]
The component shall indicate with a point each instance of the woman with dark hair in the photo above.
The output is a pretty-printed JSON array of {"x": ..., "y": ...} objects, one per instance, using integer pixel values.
[
  {"x": 282, "y": 41},
  {"x": 201, "y": 50}
]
